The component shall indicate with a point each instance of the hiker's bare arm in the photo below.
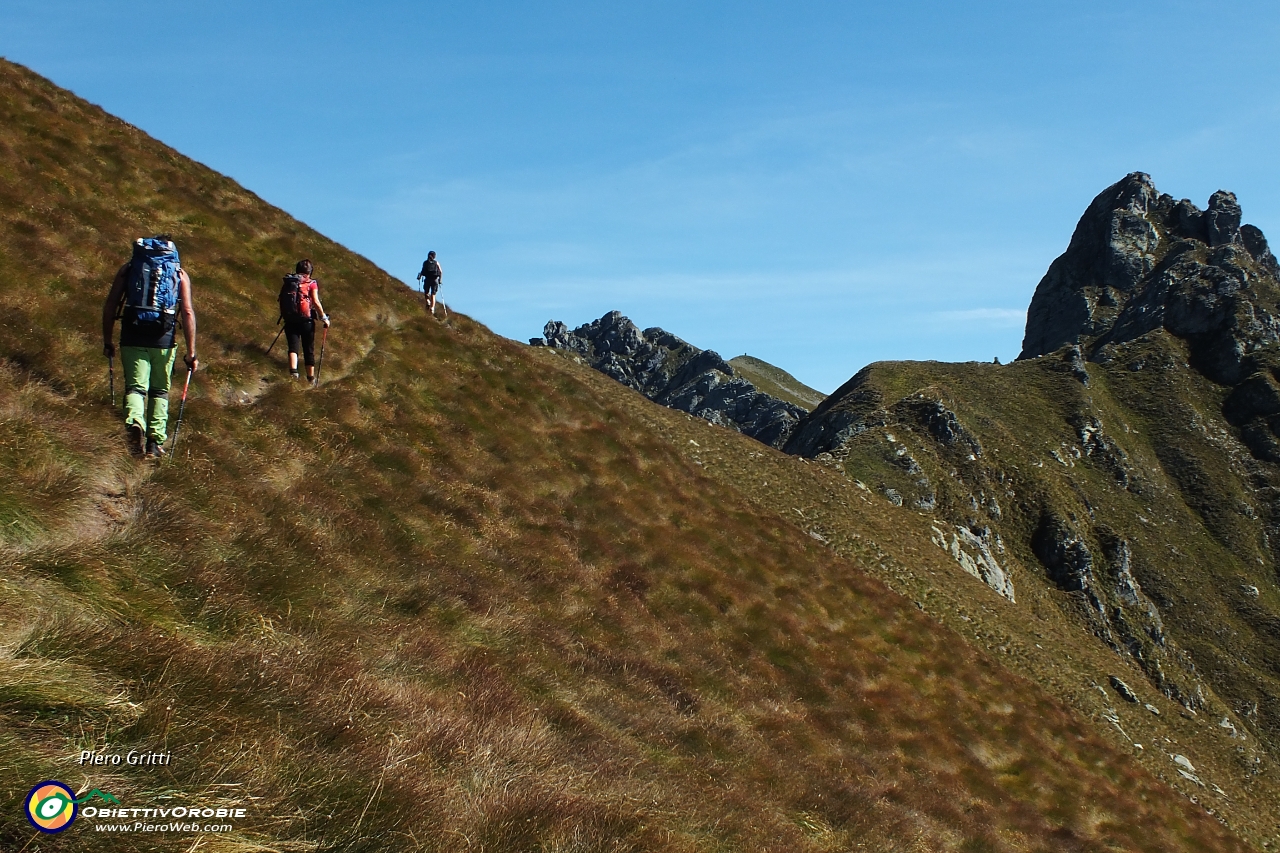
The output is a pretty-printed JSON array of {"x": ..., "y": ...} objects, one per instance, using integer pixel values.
[
  {"x": 188, "y": 319},
  {"x": 315, "y": 295},
  {"x": 109, "y": 310}
]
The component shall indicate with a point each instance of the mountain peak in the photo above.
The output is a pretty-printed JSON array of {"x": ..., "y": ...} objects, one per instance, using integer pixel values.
[{"x": 1140, "y": 261}]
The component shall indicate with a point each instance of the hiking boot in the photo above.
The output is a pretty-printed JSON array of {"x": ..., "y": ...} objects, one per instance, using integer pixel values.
[
  {"x": 293, "y": 374},
  {"x": 155, "y": 450},
  {"x": 134, "y": 438}
]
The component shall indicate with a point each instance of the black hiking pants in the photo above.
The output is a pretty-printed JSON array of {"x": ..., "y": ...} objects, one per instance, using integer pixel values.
[{"x": 301, "y": 335}]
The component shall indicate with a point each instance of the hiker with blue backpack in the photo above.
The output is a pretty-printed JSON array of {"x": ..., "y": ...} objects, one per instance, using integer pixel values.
[{"x": 151, "y": 296}]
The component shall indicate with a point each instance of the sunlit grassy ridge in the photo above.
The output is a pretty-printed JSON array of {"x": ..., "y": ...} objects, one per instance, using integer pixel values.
[
  {"x": 776, "y": 382},
  {"x": 458, "y": 598}
]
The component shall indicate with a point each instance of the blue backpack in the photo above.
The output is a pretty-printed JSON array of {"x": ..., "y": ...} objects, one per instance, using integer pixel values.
[{"x": 152, "y": 290}]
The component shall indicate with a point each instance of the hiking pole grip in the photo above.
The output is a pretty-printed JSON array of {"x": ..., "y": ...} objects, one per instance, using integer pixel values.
[{"x": 182, "y": 406}]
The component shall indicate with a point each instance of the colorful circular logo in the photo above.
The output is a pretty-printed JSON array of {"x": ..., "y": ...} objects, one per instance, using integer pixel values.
[{"x": 51, "y": 806}]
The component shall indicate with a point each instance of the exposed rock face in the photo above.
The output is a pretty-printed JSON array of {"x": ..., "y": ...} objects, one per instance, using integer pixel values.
[
  {"x": 973, "y": 551},
  {"x": 850, "y": 411},
  {"x": 677, "y": 374},
  {"x": 1125, "y": 691},
  {"x": 1120, "y": 612},
  {"x": 1140, "y": 261},
  {"x": 1065, "y": 555},
  {"x": 1097, "y": 446},
  {"x": 856, "y": 407},
  {"x": 1254, "y": 406}
]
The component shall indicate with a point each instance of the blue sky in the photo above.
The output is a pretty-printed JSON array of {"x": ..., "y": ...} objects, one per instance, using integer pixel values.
[{"x": 821, "y": 185}]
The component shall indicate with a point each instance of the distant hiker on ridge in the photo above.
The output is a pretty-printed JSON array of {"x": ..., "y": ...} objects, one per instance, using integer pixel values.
[
  {"x": 430, "y": 277},
  {"x": 151, "y": 295},
  {"x": 299, "y": 308}
]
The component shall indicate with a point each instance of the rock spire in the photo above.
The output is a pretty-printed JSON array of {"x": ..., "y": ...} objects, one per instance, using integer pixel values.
[{"x": 1140, "y": 261}]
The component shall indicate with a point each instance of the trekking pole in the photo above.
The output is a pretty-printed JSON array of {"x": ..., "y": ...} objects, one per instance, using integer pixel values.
[
  {"x": 181, "y": 407},
  {"x": 320, "y": 362},
  {"x": 273, "y": 342},
  {"x": 111, "y": 372}
]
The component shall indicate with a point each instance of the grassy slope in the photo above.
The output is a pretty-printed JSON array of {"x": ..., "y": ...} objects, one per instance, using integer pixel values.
[
  {"x": 1042, "y": 636},
  {"x": 1195, "y": 548},
  {"x": 777, "y": 382},
  {"x": 452, "y": 600}
]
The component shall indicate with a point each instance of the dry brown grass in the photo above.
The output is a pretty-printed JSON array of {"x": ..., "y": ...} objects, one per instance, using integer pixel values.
[
  {"x": 1020, "y": 412},
  {"x": 455, "y": 600}
]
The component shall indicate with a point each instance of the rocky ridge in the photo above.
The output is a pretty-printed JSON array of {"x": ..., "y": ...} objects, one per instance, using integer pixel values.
[
  {"x": 676, "y": 374},
  {"x": 1128, "y": 463},
  {"x": 1123, "y": 474}
]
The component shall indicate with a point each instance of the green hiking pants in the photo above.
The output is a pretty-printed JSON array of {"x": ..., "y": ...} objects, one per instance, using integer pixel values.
[{"x": 147, "y": 375}]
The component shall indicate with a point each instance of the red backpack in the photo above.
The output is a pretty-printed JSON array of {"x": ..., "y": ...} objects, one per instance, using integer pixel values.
[{"x": 295, "y": 299}]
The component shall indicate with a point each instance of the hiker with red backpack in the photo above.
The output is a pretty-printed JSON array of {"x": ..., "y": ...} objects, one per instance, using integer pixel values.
[
  {"x": 300, "y": 307},
  {"x": 151, "y": 296}
]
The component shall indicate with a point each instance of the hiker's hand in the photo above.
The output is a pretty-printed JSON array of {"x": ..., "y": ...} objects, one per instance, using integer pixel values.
[
  {"x": 326, "y": 321},
  {"x": 191, "y": 361},
  {"x": 109, "y": 349}
]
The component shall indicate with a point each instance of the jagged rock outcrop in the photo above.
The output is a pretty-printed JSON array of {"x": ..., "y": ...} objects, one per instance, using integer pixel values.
[
  {"x": 974, "y": 551},
  {"x": 677, "y": 374},
  {"x": 857, "y": 406},
  {"x": 1140, "y": 261},
  {"x": 854, "y": 408},
  {"x": 1115, "y": 606}
]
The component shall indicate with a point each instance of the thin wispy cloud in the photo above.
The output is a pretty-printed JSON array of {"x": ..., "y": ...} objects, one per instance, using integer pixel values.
[{"x": 995, "y": 317}]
